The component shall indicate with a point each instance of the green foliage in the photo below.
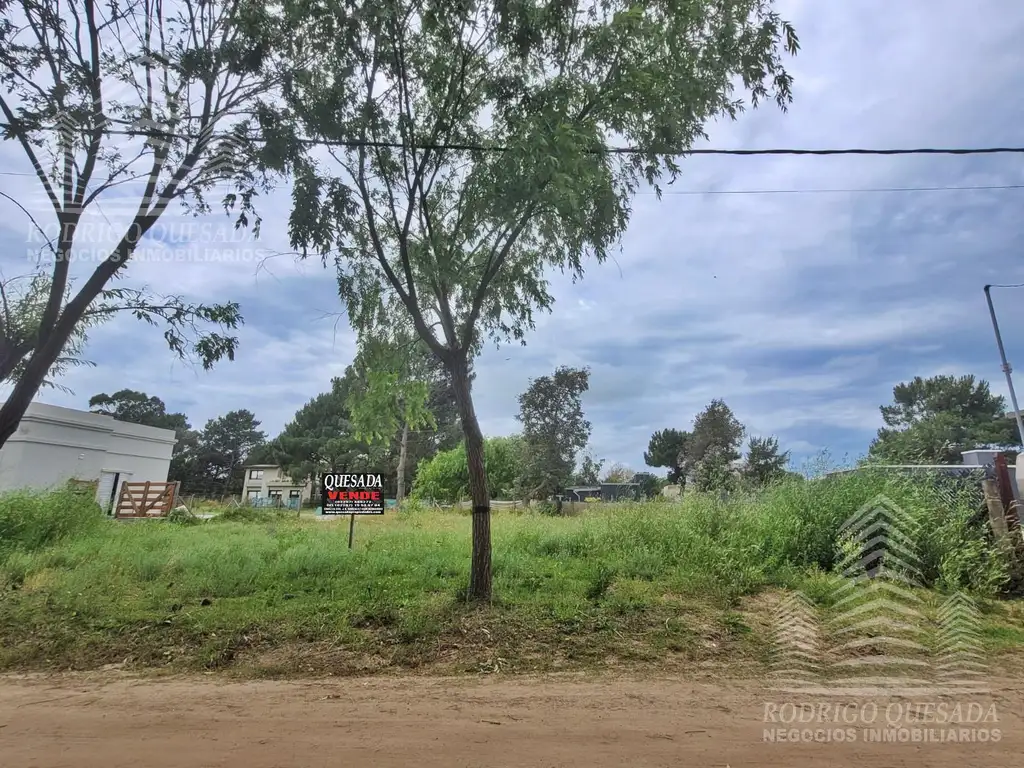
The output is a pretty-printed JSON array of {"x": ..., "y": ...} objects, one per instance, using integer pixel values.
[
  {"x": 394, "y": 388},
  {"x": 321, "y": 438},
  {"x": 324, "y": 434},
  {"x": 550, "y": 87},
  {"x": 650, "y": 485},
  {"x": 764, "y": 462},
  {"x": 87, "y": 593},
  {"x": 246, "y": 514},
  {"x": 463, "y": 241},
  {"x": 932, "y": 421},
  {"x": 554, "y": 430},
  {"x": 224, "y": 445},
  {"x": 23, "y": 301},
  {"x": 714, "y": 471},
  {"x": 137, "y": 408},
  {"x": 445, "y": 477},
  {"x": 31, "y": 520},
  {"x": 182, "y": 321},
  {"x": 589, "y": 472},
  {"x": 713, "y": 447},
  {"x": 667, "y": 448}
]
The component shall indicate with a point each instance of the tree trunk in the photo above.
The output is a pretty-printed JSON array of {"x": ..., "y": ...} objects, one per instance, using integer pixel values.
[
  {"x": 26, "y": 388},
  {"x": 53, "y": 340},
  {"x": 480, "y": 565},
  {"x": 403, "y": 454}
]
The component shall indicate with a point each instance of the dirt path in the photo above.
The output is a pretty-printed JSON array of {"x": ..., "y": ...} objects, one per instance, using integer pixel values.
[{"x": 428, "y": 723}]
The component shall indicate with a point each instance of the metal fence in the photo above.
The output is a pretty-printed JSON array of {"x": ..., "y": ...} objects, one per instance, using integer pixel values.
[{"x": 953, "y": 485}]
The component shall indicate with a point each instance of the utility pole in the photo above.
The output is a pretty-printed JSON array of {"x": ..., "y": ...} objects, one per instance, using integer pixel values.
[{"x": 1007, "y": 369}]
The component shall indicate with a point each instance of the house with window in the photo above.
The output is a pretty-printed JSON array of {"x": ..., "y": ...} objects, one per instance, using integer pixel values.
[{"x": 269, "y": 484}]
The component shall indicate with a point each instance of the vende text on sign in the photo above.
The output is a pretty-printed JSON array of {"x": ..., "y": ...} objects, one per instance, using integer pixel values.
[{"x": 352, "y": 493}]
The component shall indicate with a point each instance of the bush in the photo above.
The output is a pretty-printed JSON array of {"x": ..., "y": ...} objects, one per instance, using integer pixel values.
[
  {"x": 445, "y": 477},
  {"x": 31, "y": 520}
]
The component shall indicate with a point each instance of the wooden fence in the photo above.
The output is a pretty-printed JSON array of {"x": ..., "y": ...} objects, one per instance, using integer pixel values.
[{"x": 144, "y": 500}]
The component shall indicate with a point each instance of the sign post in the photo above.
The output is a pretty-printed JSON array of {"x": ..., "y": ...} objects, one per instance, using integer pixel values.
[{"x": 352, "y": 494}]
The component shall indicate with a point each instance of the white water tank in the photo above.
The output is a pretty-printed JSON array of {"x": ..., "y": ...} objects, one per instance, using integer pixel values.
[{"x": 979, "y": 458}]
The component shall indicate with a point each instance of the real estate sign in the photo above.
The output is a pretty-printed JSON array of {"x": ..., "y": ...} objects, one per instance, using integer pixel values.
[{"x": 352, "y": 494}]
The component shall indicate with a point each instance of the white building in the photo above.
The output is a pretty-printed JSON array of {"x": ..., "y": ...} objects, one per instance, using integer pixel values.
[{"x": 54, "y": 445}]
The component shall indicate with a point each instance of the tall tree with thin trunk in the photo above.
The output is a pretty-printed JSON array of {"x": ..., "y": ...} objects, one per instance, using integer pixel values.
[
  {"x": 470, "y": 151},
  {"x": 132, "y": 106},
  {"x": 392, "y": 395},
  {"x": 554, "y": 430}
]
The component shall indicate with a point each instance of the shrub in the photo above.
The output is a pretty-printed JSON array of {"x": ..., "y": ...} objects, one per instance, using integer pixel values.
[
  {"x": 31, "y": 520},
  {"x": 445, "y": 477}
]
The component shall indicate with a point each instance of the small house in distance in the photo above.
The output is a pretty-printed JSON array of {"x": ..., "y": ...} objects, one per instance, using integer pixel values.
[
  {"x": 271, "y": 485},
  {"x": 54, "y": 445},
  {"x": 603, "y": 492}
]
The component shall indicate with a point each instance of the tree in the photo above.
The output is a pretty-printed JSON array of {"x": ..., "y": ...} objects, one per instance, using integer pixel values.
[
  {"x": 445, "y": 477},
  {"x": 393, "y": 394},
  {"x": 139, "y": 408},
  {"x": 713, "y": 447},
  {"x": 186, "y": 463},
  {"x": 554, "y": 430},
  {"x": 667, "y": 448},
  {"x": 650, "y": 484},
  {"x": 347, "y": 428},
  {"x": 224, "y": 445},
  {"x": 146, "y": 103},
  {"x": 764, "y": 463},
  {"x": 418, "y": 220},
  {"x": 321, "y": 437},
  {"x": 932, "y": 421},
  {"x": 589, "y": 472},
  {"x": 619, "y": 473}
]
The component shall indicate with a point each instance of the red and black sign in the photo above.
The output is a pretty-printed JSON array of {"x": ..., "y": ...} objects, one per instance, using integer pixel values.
[{"x": 352, "y": 494}]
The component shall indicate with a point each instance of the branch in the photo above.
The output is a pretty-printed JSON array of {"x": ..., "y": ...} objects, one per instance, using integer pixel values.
[
  {"x": 15, "y": 124},
  {"x": 95, "y": 90},
  {"x": 492, "y": 268},
  {"x": 31, "y": 218}
]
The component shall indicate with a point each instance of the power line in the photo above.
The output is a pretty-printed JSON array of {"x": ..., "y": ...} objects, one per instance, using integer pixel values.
[
  {"x": 851, "y": 190},
  {"x": 841, "y": 190},
  {"x": 149, "y": 131}
]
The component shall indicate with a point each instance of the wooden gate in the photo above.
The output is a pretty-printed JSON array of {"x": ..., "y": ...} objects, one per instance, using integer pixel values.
[{"x": 147, "y": 499}]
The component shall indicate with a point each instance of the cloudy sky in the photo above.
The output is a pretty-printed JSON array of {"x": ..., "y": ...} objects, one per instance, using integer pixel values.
[{"x": 801, "y": 309}]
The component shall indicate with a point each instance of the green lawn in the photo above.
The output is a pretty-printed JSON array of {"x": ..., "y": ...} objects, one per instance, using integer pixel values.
[{"x": 666, "y": 584}]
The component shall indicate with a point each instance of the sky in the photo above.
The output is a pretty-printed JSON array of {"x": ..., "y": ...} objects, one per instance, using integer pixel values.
[{"x": 801, "y": 310}]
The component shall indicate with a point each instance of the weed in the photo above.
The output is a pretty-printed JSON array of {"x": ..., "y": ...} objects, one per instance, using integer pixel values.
[{"x": 81, "y": 591}]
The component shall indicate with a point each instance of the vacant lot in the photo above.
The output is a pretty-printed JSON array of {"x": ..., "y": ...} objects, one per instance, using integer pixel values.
[{"x": 654, "y": 585}]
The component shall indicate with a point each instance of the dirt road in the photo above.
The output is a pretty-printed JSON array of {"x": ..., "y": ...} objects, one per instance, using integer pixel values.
[{"x": 435, "y": 723}]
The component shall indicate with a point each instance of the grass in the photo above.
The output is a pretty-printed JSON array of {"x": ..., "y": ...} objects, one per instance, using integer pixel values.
[{"x": 262, "y": 593}]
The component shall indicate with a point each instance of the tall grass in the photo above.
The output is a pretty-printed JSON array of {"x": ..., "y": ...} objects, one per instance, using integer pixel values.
[
  {"x": 32, "y": 520},
  {"x": 78, "y": 587}
]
